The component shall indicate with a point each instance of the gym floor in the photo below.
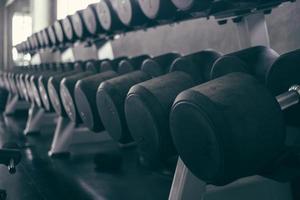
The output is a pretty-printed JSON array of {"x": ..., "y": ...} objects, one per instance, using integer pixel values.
[{"x": 73, "y": 177}]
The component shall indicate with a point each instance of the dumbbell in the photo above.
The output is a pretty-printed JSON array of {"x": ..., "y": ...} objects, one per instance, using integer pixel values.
[
  {"x": 52, "y": 35},
  {"x": 68, "y": 28},
  {"x": 158, "y": 10},
  {"x": 155, "y": 103},
  {"x": 46, "y": 38},
  {"x": 41, "y": 39},
  {"x": 194, "y": 7},
  {"x": 22, "y": 76},
  {"x": 89, "y": 16},
  {"x": 67, "y": 85},
  {"x": 111, "y": 94},
  {"x": 42, "y": 81},
  {"x": 240, "y": 120},
  {"x": 59, "y": 31},
  {"x": 53, "y": 86},
  {"x": 80, "y": 27},
  {"x": 108, "y": 18},
  {"x": 86, "y": 89},
  {"x": 130, "y": 13},
  {"x": 30, "y": 80},
  {"x": 256, "y": 60},
  {"x": 25, "y": 83},
  {"x": 148, "y": 104}
]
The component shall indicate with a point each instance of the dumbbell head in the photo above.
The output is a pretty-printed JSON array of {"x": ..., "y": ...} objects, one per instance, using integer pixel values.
[
  {"x": 131, "y": 64},
  {"x": 37, "y": 79},
  {"x": 111, "y": 94},
  {"x": 223, "y": 132},
  {"x": 159, "y": 65},
  {"x": 108, "y": 17},
  {"x": 85, "y": 93},
  {"x": 46, "y": 37},
  {"x": 160, "y": 10},
  {"x": 255, "y": 60},
  {"x": 59, "y": 31},
  {"x": 148, "y": 105},
  {"x": 68, "y": 28},
  {"x": 79, "y": 25},
  {"x": 52, "y": 35},
  {"x": 40, "y": 39},
  {"x": 190, "y": 63},
  {"x": 129, "y": 13},
  {"x": 194, "y": 7},
  {"x": 53, "y": 87},
  {"x": 86, "y": 89},
  {"x": 110, "y": 65},
  {"x": 91, "y": 21},
  {"x": 66, "y": 90},
  {"x": 43, "y": 82}
]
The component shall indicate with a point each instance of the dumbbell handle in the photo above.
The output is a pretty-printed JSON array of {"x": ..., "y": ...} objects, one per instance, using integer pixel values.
[{"x": 290, "y": 98}]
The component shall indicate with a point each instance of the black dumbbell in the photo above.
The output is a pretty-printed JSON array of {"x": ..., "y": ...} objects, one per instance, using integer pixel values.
[
  {"x": 11, "y": 78},
  {"x": 254, "y": 60},
  {"x": 59, "y": 31},
  {"x": 31, "y": 78},
  {"x": 79, "y": 25},
  {"x": 251, "y": 60},
  {"x": 112, "y": 93},
  {"x": 53, "y": 87},
  {"x": 158, "y": 10},
  {"x": 193, "y": 7},
  {"x": 67, "y": 69},
  {"x": 52, "y": 35},
  {"x": 108, "y": 18},
  {"x": 68, "y": 28},
  {"x": 34, "y": 80},
  {"x": 40, "y": 39},
  {"x": 67, "y": 86},
  {"x": 89, "y": 16},
  {"x": 262, "y": 133},
  {"x": 22, "y": 79},
  {"x": 26, "y": 80},
  {"x": 86, "y": 89},
  {"x": 148, "y": 104},
  {"x": 130, "y": 13},
  {"x": 46, "y": 38}
]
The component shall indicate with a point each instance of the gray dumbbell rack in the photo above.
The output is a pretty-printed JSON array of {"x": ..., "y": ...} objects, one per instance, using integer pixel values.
[{"x": 252, "y": 31}]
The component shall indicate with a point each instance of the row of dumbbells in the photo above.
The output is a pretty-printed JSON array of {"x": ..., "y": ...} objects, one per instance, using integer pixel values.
[
  {"x": 109, "y": 17},
  {"x": 223, "y": 129}
]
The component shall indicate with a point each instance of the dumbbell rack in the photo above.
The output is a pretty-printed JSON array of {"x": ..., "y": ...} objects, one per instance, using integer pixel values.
[{"x": 252, "y": 31}]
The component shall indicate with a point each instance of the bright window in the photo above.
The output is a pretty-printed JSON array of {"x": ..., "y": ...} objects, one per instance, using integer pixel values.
[
  {"x": 68, "y": 7},
  {"x": 21, "y": 28}
]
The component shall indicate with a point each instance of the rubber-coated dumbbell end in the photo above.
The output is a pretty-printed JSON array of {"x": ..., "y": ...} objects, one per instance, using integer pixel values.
[
  {"x": 159, "y": 65},
  {"x": 197, "y": 64},
  {"x": 130, "y": 13},
  {"x": 66, "y": 90},
  {"x": 110, "y": 65},
  {"x": 147, "y": 109},
  {"x": 161, "y": 11},
  {"x": 111, "y": 97},
  {"x": 131, "y": 64},
  {"x": 208, "y": 137},
  {"x": 91, "y": 21},
  {"x": 108, "y": 18},
  {"x": 85, "y": 99}
]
